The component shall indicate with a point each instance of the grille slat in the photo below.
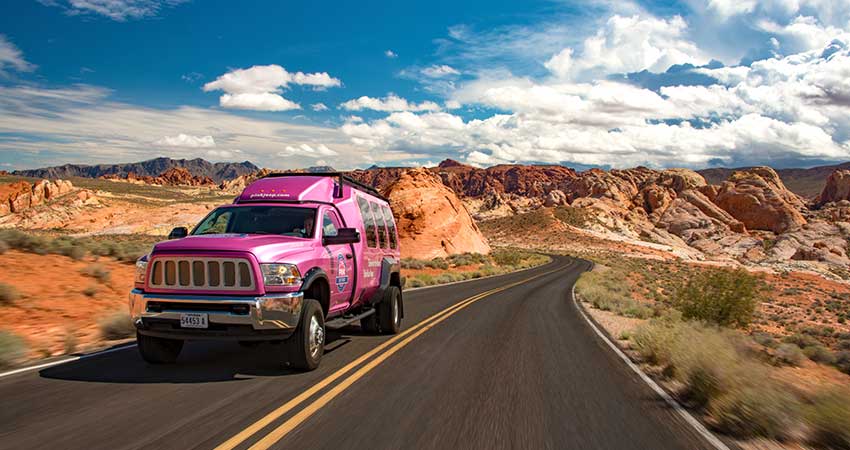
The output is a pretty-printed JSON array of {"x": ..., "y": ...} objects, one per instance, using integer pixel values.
[{"x": 200, "y": 273}]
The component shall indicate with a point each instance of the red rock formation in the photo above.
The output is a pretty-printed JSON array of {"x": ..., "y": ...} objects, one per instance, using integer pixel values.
[
  {"x": 758, "y": 198},
  {"x": 837, "y": 188},
  {"x": 432, "y": 221},
  {"x": 20, "y": 196}
]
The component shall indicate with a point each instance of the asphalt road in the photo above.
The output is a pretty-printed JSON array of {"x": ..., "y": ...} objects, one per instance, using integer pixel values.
[{"x": 518, "y": 368}]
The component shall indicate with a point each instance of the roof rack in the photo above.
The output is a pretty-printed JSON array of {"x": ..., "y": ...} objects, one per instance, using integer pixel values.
[{"x": 343, "y": 179}]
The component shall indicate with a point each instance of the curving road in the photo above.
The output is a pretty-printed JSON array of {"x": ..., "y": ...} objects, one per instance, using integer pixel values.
[{"x": 503, "y": 362}]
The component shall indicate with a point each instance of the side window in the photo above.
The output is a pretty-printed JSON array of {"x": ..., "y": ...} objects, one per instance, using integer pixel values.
[
  {"x": 379, "y": 220},
  {"x": 330, "y": 224},
  {"x": 368, "y": 222},
  {"x": 388, "y": 218}
]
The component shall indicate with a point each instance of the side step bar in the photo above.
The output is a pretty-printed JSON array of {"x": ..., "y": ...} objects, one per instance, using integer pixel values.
[{"x": 344, "y": 321}]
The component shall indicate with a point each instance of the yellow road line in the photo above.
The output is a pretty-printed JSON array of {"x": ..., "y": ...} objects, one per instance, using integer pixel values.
[
  {"x": 286, "y": 407},
  {"x": 278, "y": 433}
]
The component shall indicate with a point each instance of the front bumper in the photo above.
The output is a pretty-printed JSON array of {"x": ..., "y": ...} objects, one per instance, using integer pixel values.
[{"x": 271, "y": 316}]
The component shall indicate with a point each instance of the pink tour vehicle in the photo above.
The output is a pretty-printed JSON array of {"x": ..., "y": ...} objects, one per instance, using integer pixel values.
[{"x": 293, "y": 255}]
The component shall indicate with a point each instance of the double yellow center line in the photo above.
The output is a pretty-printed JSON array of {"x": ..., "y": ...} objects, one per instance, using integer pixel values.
[{"x": 394, "y": 344}]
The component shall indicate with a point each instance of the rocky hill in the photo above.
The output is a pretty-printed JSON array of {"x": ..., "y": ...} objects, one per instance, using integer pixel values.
[
  {"x": 198, "y": 167},
  {"x": 807, "y": 183},
  {"x": 175, "y": 176}
]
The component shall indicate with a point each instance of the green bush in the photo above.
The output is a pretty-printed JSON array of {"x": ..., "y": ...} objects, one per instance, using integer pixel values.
[
  {"x": 467, "y": 259},
  {"x": 97, "y": 271},
  {"x": 8, "y": 294},
  {"x": 842, "y": 361},
  {"x": 12, "y": 348},
  {"x": 577, "y": 217},
  {"x": 117, "y": 326},
  {"x": 757, "y": 409},
  {"x": 829, "y": 419},
  {"x": 789, "y": 354},
  {"x": 410, "y": 263},
  {"x": 819, "y": 354},
  {"x": 437, "y": 263},
  {"x": 801, "y": 340},
  {"x": 722, "y": 297}
]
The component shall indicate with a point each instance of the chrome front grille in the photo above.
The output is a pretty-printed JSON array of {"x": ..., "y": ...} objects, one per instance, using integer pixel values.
[{"x": 201, "y": 273}]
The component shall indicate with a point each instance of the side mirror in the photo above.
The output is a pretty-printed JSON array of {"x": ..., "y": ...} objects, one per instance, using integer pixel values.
[
  {"x": 178, "y": 232},
  {"x": 343, "y": 236}
]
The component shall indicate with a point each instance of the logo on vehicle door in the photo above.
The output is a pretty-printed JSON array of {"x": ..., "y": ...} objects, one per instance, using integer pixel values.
[{"x": 341, "y": 275}]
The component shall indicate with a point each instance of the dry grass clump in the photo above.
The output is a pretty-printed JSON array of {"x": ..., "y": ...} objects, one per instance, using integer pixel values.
[
  {"x": 117, "y": 326},
  {"x": 12, "y": 348},
  {"x": 608, "y": 292},
  {"x": 8, "y": 294}
]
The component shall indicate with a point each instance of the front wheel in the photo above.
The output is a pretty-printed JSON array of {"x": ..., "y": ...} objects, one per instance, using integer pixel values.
[
  {"x": 307, "y": 345},
  {"x": 157, "y": 350},
  {"x": 389, "y": 311}
]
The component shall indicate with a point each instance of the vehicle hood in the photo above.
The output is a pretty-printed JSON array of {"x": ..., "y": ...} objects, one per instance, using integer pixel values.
[{"x": 266, "y": 248}]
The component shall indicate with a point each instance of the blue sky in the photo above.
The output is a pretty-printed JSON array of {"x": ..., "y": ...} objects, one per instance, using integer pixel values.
[{"x": 351, "y": 84}]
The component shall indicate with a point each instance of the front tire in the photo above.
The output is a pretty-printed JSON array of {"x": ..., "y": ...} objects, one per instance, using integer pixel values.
[
  {"x": 389, "y": 311},
  {"x": 157, "y": 350},
  {"x": 307, "y": 345}
]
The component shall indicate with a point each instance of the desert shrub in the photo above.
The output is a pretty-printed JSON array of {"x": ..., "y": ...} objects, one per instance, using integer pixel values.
[
  {"x": 8, "y": 294},
  {"x": 414, "y": 283},
  {"x": 722, "y": 297},
  {"x": 789, "y": 354},
  {"x": 819, "y": 354},
  {"x": 758, "y": 409},
  {"x": 96, "y": 271},
  {"x": 12, "y": 348},
  {"x": 444, "y": 278},
  {"x": 801, "y": 340},
  {"x": 842, "y": 361},
  {"x": 3, "y": 247},
  {"x": 117, "y": 326},
  {"x": 466, "y": 259},
  {"x": 577, "y": 217},
  {"x": 706, "y": 361},
  {"x": 843, "y": 344},
  {"x": 437, "y": 263},
  {"x": 90, "y": 291},
  {"x": 410, "y": 263},
  {"x": 829, "y": 419},
  {"x": 765, "y": 339},
  {"x": 69, "y": 342},
  {"x": 655, "y": 340}
]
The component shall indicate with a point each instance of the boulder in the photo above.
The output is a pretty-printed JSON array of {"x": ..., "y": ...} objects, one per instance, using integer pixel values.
[
  {"x": 837, "y": 188},
  {"x": 758, "y": 199},
  {"x": 555, "y": 197},
  {"x": 432, "y": 221}
]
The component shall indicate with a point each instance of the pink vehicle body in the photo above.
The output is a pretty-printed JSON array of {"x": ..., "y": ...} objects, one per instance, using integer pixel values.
[{"x": 346, "y": 262}]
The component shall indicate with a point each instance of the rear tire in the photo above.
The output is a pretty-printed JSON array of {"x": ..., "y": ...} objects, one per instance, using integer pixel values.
[
  {"x": 307, "y": 345},
  {"x": 157, "y": 350},
  {"x": 389, "y": 311}
]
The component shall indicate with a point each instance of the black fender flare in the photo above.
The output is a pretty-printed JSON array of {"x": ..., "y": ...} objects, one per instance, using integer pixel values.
[
  {"x": 311, "y": 276},
  {"x": 389, "y": 266}
]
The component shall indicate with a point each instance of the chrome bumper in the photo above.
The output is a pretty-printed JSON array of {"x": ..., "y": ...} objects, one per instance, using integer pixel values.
[{"x": 266, "y": 314}]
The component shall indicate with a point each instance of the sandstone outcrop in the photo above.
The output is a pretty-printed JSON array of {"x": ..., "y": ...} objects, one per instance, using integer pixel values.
[
  {"x": 760, "y": 201},
  {"x": 837, "y": 188},
  {"x": 175, "y": 176},
  {"x": 20, "y": 196},
  {"x": 432, "y": 221}
]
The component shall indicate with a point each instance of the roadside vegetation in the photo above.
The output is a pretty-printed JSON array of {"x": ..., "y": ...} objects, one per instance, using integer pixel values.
[
  {"x": 466, "y": 266},
  {"x": 12, "y": 349},
  {"x": 121, "y": 247},
  {"x": 117, "y": 326},
  {"x": 699, "y": 333}
]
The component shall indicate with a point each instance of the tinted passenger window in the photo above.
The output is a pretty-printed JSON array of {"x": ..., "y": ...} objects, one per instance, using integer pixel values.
[
  {"x": 379, "y": 220},
  {"x": 391, "y": 231},
  {"x": 368, "y": 222}
]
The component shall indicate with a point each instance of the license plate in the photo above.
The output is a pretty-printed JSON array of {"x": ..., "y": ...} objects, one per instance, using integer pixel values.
[{"x": 193, "y": 320}]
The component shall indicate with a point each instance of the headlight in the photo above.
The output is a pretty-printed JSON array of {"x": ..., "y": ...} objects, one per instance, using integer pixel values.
[
  {"x": 280, "y": 275},
  {"x": 141, "y": 269}
]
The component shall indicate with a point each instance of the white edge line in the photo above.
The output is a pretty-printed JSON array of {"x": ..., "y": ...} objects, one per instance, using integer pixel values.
[
  {"x": 63, "y": 361},
  {"x": 690, "y": 419}
]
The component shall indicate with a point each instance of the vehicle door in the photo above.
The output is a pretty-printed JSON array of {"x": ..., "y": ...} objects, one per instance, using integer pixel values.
[
  {"x": 370, "y": 266},
  {"x": 341, "y": 265}
]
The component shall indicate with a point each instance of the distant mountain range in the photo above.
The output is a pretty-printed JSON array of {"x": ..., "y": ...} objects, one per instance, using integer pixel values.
[
  {"x": 804, "y": 182},
  {"x": 153, "y": 167}
]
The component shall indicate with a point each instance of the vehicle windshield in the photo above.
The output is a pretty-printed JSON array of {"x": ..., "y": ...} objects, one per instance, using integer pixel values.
[{"x": 282, "y": 220}]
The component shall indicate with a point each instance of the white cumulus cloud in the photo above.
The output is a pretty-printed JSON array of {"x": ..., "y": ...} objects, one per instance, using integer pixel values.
[
  {"x": 439, "y": 71},
  {"x": 319, "y": 107},
  {"x": 187, "y": 141},
  {"x": 389, "y": 103},
  {"x": 11, "y": 57},
  {"x": 260, "y": 87}
]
